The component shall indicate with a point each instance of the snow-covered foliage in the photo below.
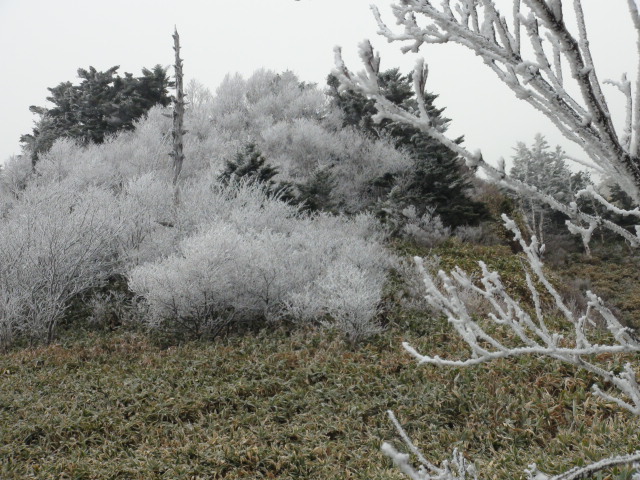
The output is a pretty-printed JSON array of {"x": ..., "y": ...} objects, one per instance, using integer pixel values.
[
  {"x": 305, "y": 146},
  {"x": 111, "y": 163},
  {"x": 548, "y": 171},
  {"x": 14, "y": 176},
  {"x": 300, "y": 134},
  {"x": 56, "y": 243},
  {"x": 530, "y": 53},
  {"x": 427, "y": 230},
  {"x": 255, "y": 257},
  {"x": 89, "y": 212}
]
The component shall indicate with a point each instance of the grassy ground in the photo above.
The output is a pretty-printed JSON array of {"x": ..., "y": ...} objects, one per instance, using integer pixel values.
[{"x": 293, "y": 403}]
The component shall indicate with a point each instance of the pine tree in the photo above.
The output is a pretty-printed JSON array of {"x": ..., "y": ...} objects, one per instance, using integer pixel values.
[
  {"x": 547, "y": 170},
  {"x": 102, "y": 104},
  {"x": 438, "y": 178},
  {"x": 250, "y": 166},
  {"x": 315, "y": 194}
]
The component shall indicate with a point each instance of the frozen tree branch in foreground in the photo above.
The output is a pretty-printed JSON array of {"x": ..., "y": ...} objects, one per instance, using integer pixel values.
[
  {"x": 526, "y": 334},
  {"x": 543, "y": 62},
  {"x": 530, "y": 331},
  {"x": 533, "y": 73},
  {"x": 459, "y": 468}
]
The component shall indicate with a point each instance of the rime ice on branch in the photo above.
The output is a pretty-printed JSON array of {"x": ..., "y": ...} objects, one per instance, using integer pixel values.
[
  {"x": 535, "y": 73},
  {"x": 544, "y": 72}
]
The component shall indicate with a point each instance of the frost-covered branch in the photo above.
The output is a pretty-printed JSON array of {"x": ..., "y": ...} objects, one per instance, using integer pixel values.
[
  {"x": 533, "y": 72},
  {"x": 538, "y": 56},
  {"x": 457, "y": 468},
  {"x": 367, "y": 82},
  {"x": 525, "y": 331},
  {"x": 588, "y": 471},
  {"x": 529, "y": 331}
]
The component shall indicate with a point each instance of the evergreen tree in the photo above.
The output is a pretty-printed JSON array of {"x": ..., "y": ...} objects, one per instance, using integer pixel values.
[
  {"x": 546, "y": 170},
  {"x": 102, "y": 104},
  {"x": 315, "y": 194},
  {"x": 249, "y": 165},
  {"x": 438, "y": 178}
]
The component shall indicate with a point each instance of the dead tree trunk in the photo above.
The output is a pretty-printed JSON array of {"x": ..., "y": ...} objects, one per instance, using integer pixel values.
[{"x": 178, "y": 113}]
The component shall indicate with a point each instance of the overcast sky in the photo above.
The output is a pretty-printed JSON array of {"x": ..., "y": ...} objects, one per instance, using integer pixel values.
[{"x": 45, "y": 41}]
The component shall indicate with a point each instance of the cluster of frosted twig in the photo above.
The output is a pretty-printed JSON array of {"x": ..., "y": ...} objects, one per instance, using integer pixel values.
[
  {"x": 534, "y": 73},
  {"x": 533, "y": 335},
  {"x": 537, "y": 56},
  {"x": 447, "y": 294},
  {"x": 459, "y": 468}
]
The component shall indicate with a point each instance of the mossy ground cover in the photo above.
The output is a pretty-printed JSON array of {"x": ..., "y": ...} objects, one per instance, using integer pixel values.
[{"x": 292, "y": 403}]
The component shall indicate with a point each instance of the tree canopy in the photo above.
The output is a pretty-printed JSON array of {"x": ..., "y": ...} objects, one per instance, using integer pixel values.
[{"x": 101, "y": 104}]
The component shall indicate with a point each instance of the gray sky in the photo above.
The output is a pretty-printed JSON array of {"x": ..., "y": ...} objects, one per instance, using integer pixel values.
[{"x": 46, "y": 41}]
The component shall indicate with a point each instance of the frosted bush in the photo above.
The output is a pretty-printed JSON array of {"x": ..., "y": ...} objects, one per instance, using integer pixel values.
[
  {"x": 427, "y": 230},
  {"x": 14, "y": 176},
  {"x": 346, "y": 297},
  {"x": 469, "y": 233},
  {"x": 9, "y": 321},
  {"x": 56, "y": 243},
  {"x": 217, "y": 272},
  {"x": 274, "y": 97},
  {"x": 210, "y": 151},
  {"x": 228, "y": 109},
  {"x": 297, "y": 131},
  {"x": 247, "y": 206},
  {"x": 301, "y": 147},
  {"x": 257, "y": 258},
  {"x": 147, "y": 204},
  {"x": 120, "y": 157}
]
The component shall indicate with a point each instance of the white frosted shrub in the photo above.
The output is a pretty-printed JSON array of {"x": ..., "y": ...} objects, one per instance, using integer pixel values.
[
  {"x": 207, "y": 144},
  {"x": 120, "y": 157},
  {"x": 346, "y": 297},
  {"x": 253, "y": 105},
  {"x": 219, "y": 271},
  {"x": 427, "y": 230},
  {"x": 274, "y": 97},
  {"x": 257, "y": 257},
  {"x": 147, "y": 147},
  {"x": 56, "y": 243},
  {"x": 14, "y": 176},
  {"x": 247, "y": 206},
  {"x": 147, "y": 204},
  {"x": 210, "y": 151},
  {"x": 67, "y": 160},
  {"x": 9, "y": 317},
  {"x": 228, "y": 108},
  {"x": 470, "y": 234},
  {"x": 301, "y": 147}
]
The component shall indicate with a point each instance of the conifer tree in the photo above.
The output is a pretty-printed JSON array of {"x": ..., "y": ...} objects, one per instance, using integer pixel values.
[
  {"x": 438, "y": 178},
  {"x": 102, "y": 104},
  {"x": 250, "y": 166},
  {"x": 548, "y": 171}
]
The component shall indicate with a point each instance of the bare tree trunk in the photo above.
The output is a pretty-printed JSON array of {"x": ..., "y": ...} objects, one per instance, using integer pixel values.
[{"x": 178, "y": 113}]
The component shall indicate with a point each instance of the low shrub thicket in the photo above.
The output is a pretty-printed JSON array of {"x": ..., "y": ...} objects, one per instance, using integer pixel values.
[
  {"x": 56, "y": 243},
  {"x": 255, "y": 257}
]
